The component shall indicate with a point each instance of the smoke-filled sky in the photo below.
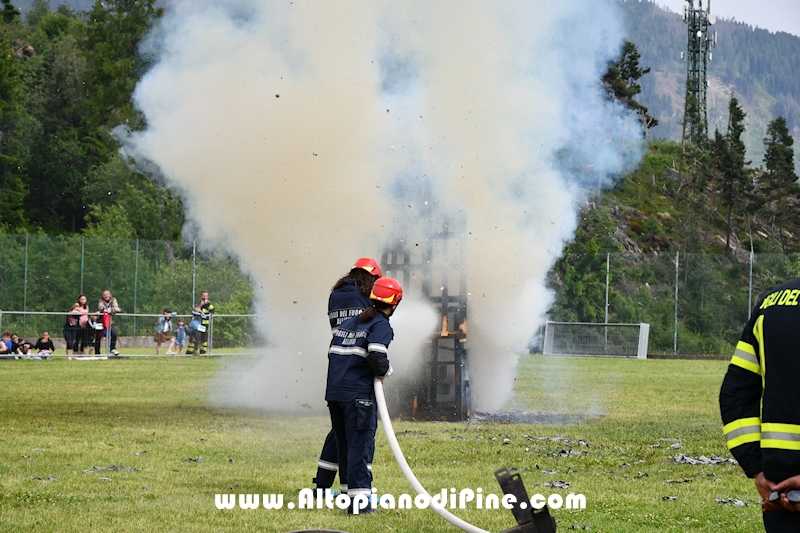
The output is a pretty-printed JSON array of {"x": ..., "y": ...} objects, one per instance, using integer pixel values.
[{"x": 306, "y": 134}]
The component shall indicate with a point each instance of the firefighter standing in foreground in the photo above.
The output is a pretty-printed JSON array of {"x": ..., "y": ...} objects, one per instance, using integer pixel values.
[
  {"x": 358, "y": 353},
  {"x": 760, "y": 403},
  {"x": 349, "y": 296}
]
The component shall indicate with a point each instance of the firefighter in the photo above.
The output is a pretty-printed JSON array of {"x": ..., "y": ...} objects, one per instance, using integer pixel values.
[
  {"x": 760, "y": 403},
  {"x": 207, "y": 308},
  {"x": 358, "y": 353},
  {"x": 349, "y": 296}
]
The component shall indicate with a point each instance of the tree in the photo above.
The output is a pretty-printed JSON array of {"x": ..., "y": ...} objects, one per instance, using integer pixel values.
[
  {"x": 113, "y": 31},
  {"x": 10, "y": 13},
  {"x": 12, "y": 173},
  {"x": 730, "y": 158},
  {"x": 621, "y": 82},
  {"x": 780, "y": 177}
]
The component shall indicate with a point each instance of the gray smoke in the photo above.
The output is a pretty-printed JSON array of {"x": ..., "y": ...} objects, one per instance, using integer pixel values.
[{"x": 306, "y": 134}]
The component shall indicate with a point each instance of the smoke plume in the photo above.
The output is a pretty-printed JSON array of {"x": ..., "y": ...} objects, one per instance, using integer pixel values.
[{"x": 306, "y": 134}]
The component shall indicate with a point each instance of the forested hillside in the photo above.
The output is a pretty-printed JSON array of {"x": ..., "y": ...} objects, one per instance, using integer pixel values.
[
  {"x": 761, "y": 67},
  {"x": 68, "y": 82}
]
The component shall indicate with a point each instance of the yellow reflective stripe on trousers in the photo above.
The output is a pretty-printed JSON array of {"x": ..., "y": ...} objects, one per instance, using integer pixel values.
[
  {"x": 742, "y": 431},
  {"x": 782, "y": 436},
  {"x": 745, "y": 356}
]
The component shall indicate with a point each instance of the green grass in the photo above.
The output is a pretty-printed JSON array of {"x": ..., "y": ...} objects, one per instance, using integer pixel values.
[{"x": 60, "y": 418}]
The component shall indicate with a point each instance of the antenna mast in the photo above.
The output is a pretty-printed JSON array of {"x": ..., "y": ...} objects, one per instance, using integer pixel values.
[{"x": 698, "y": 54}]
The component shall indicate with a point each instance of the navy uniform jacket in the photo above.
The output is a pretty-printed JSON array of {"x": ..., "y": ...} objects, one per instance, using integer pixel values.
[
  {"x": 346, "y": 302},
  {"x": 760, "y": 399},
  {"x": 358, "y": 353}
]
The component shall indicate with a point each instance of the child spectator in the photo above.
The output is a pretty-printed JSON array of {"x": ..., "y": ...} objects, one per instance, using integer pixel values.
[
  {"x": 44, "y": 346},
  {"x": 196, "y": 328},
  {"x": 5, "y": 343},
  {"x": 162, "y": 332},
  {"x": 20, "y": 347},
  {"x": 180, "y": 336}
]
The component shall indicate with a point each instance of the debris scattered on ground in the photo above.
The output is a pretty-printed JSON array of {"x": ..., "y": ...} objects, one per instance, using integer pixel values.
[
  {"x": 141, "y": 452},
  {"x": 530, "y": 417},
  {"x": 574, "y": 526},
  {"x": 110, "y": 468},
  {"x": 684, "y": 480},
  {"x": 669, "y": 498},
  {"x": 565, "y": 453},
  {"x": 28, "y": 457},
  {"x": 557, "y": 484},
  {"x": 675, "y": 446},
  {"x": 703, "y": 460},
  {"x": 104, "y": 478},
  {"x": 550, "y": 472},
  {"x": 734, "y": 501},
  {"x": 194, "y": 459},
  {"x": 47, "y": 479}
]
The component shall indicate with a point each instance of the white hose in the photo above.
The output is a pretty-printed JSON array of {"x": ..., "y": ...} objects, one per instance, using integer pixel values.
[{"x": 401, "y": 461}]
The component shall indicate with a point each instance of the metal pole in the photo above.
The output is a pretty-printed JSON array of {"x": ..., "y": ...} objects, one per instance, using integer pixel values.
[
  {"x": 750, "y": 289},
  {"x": 194, "y": 269},
  {"x": 675, "y": 337},
  {"x": 135, "y": 285},
  {"x": 82, "y": 259},
  {"x": 210, "y": 334},
  {"x": 608, "y": 256},
  {"x": 605, "y": 332},
  {"x": 25, "y": 287}
]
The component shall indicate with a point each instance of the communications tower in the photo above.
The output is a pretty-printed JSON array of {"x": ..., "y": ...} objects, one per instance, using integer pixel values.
[{"x": 698, "y": 54}]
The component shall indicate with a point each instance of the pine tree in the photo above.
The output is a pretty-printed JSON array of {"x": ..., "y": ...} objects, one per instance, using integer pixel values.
[
  {"x": 621, "y": 82},
  {"x": 779, "y": 177},
  {"x": 730, "y": 158}
]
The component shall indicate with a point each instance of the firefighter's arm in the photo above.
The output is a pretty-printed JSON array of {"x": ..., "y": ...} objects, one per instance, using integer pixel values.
[
  {"x": 740, "y": 407},
  {"x": 377, "y": 349}
]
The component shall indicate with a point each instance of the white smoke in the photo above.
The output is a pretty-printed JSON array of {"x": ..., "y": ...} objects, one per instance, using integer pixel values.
[{"x": 306, "y": 134}]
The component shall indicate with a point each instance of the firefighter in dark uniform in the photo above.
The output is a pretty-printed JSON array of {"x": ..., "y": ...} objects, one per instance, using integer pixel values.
[
  {"x": 760, "y": 403},
  {"x": 207, "y": 308},
  {"x": 357, "y": 354},
  {"x": 349, "y": 296}
]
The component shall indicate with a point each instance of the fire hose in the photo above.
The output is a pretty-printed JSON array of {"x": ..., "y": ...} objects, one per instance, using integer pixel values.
[{"x": 409, "y": 475}]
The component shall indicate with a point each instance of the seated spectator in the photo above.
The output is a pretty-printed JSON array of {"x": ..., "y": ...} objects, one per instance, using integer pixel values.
[
  {"x": 5, "y": 343},
  {"x": 20, "y": 347},
  {"x": 44, "y": 346}
]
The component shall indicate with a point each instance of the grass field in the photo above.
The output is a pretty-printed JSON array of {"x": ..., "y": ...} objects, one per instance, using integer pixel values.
[{"x": 61, "y": 419}]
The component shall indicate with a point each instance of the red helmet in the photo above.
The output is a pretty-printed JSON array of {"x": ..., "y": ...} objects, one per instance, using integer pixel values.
[
  {"x": 370, "y": 265},
  {"x": 387, "y": 290}
]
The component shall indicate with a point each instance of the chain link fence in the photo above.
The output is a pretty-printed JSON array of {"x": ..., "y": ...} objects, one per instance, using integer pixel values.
[
  {"x": 695, "y": 303},
  {"x": 227, "y": 334},
  {"x": 46, "y": 273}
]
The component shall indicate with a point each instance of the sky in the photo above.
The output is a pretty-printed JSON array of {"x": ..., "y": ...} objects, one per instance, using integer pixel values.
[{"x": 772, "y": 15}]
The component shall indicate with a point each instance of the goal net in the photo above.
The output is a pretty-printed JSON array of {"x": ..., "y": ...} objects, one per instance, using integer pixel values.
[{"x": 583, "y": 338}]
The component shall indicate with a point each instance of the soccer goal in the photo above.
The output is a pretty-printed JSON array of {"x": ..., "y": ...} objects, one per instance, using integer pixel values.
[{"x": 583, "y": 338}]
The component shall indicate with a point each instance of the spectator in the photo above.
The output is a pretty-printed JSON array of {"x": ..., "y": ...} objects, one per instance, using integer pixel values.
[
  {"x": 196, "y": 328},
  {"x": 5, "y": 343},
  {"x": 72, "y": 328},
  {"x": 107, "y": 305},
  {"x": 207, "y": 309},
  {"x": 20, "y": 347},
  {"x": 44, "y": 346},
  {"x": 162, "y": 332},
  {"x": 86, "y": 332},
  {"x": 180, "y": 336}
]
